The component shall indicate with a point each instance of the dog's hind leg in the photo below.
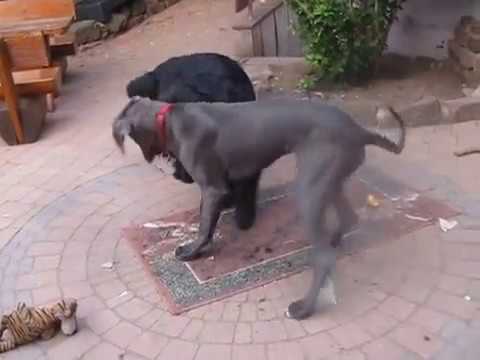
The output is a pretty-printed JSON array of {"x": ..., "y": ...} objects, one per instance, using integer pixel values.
[
  {"x": 211, "y": 205},
  {"x": 321, "y": 173},
  {"x": 245, "y": 197},
  {"x": 347, "y": 217}
]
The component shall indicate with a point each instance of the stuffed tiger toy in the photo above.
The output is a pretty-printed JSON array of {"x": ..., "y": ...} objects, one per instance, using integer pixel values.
[{"x": 27, "y": 324}]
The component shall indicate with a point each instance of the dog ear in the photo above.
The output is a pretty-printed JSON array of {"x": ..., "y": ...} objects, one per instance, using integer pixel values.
[
  {"x": 119, "y": 130},
  {"x": 121, "y": 125}
]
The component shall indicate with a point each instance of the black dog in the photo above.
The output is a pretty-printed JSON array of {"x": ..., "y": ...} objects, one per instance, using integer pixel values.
[
  {"x": 201, "y": 77},
  {"x": 225, "y": 147}
]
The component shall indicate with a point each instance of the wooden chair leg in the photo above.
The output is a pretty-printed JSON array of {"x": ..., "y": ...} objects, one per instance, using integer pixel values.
[
  {"x": 10, "y": 94},
  {"x": 50, "y": 102}
]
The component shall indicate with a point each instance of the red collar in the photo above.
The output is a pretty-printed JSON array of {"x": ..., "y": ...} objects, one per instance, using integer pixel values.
[{"x": 161, "y": 121}]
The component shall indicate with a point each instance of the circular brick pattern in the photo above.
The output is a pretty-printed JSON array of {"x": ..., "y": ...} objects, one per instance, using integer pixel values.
[{"x": 406, "y": 297}]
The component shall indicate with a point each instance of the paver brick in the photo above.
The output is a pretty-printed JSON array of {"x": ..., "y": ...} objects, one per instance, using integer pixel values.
[
  {"x": 149, "y": 344},
  {"x": 123, "y": 334},
  {"x": 350, "y": 335},
  {"x": 453, "y": 329},
  {"x": 44, "y": 295},
  {"x": 102, "y": 321},
  {"x": 214, "y": 312},
  {"x": 421, "y": 342},
  {"x": 383, "y": 349},
  {"x": 453, "y": 284},
  {"x": 104, "y": 351},
  {"x": 376, "y": 323},
  {"x": 452, "y": 304},
  {"x": 171, "y": 325},
  {"x": 248, "y": 312},
  {"x": 293, "y": 328},
  {"x": 285, "y": 350},
  {"x": 214, "y": 352},
  {"x": 78, "y": 290},
  {"x": 46, "y": 248},
  {"x": 266, "y": 311},
  {"x": 36, "y": 280},
  {"x": 133, "y": 309},
  {"x": 319, "y": 346},
  {"x": 231, "y": 312},
  {"x": 466, "y": 268},
  {"x": 268, "y": 331},
  {"x": 319, "y": 322},
  {"x": 179, "y": 350},
  {"x": 73, "y": 274},
  {"x": 250, "y": 352},
  {"x": 110, "y": 289},
  {"x": 193, "y": 330},
  {"x": 428, "y": 319},
  {"x": 243, "y": 333},
  {"x": 89, "y": 305},
  {"x": 397, "y": 307},
  {"x": 43, "y": 263},
  {"x": 217, "y": 332},
  {"x": 25, "y": 266},
  {"x": 25, "y": 352},
  {"x": 347, "y": 355},
  {"x": 150, "y": 318},
  {"x": 73, "y": 347}
]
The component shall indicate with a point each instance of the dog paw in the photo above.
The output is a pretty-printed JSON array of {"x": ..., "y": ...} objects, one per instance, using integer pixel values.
[
  {"x": 299, "y": 310},
  {"x": 187, "y": 252},
  {"x": 244, "y": 219},
  {"x": 190, "y": 252}
]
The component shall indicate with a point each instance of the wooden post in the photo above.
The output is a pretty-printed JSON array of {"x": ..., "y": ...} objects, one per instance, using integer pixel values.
[{"x": 10, "y": 93}]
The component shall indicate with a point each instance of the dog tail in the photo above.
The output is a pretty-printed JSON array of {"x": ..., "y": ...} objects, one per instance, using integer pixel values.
[{"x": 384, "y": 142}]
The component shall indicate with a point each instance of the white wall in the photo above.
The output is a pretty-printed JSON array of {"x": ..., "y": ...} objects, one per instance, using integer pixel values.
[{"x": 425, "y": 24}]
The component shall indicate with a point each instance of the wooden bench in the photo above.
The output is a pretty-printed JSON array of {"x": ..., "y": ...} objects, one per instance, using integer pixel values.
[
  {"x": 25, "y": 70},
  {"x": 50, "y": 16}
]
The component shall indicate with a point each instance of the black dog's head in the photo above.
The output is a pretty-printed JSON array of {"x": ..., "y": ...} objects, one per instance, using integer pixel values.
[
  {"x": 143, "y": 86},
  {"x": 137, "y": 120}
]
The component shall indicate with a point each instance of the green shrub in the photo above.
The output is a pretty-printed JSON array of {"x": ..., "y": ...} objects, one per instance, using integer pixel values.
[{"x": 343, "y": 39}]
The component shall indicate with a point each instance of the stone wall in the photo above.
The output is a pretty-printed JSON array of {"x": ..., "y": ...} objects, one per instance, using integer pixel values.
[
  {"x": 425, "y": 26},
  {"x": 464, "y": 50},
  {"x": 109, "y": 17}
]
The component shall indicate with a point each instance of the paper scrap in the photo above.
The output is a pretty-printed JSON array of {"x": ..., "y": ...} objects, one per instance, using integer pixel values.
[
  {"x": 151, "y": 226},
  {"x": 108, "y": 265},
  {"x": 418, "y": 218},
  {"x": 447, "y": 225},
  {"x": 412, "y": 197}
]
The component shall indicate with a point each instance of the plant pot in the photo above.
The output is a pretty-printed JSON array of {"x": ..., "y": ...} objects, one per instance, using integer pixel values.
[{"x": 33, "y": 111}]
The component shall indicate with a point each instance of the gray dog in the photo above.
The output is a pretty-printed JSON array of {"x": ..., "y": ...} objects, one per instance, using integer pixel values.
[{"x": 225, "y": 147}]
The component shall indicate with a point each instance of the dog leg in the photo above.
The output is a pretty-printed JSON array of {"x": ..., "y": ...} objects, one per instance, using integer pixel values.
[
  {"x": 211, "y": 205},
  {"x": 320, "y": 172},
  {"x": 245, "y": 194},
  {"x": 323, "y": 260},
  {"x": 181, "y": 174},
  {"x": 346, "y": 215}
]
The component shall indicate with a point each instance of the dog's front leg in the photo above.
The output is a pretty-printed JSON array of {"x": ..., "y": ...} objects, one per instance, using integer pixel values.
[{"x": 211, "y": 205}]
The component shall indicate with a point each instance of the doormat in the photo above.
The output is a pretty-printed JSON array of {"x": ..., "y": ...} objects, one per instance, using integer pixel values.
[{"x": 275, "y": 247}]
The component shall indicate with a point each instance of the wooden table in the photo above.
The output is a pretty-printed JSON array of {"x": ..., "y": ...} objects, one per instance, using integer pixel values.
[{"x": 52, "y": 26}]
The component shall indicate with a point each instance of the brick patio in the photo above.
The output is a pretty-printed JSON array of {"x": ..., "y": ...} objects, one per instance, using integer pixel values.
[{"x": 66, "y": 198}]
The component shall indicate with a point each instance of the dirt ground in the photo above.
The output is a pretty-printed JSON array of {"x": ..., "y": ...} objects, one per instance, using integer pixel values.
[{"x": 401, "y": 81}]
